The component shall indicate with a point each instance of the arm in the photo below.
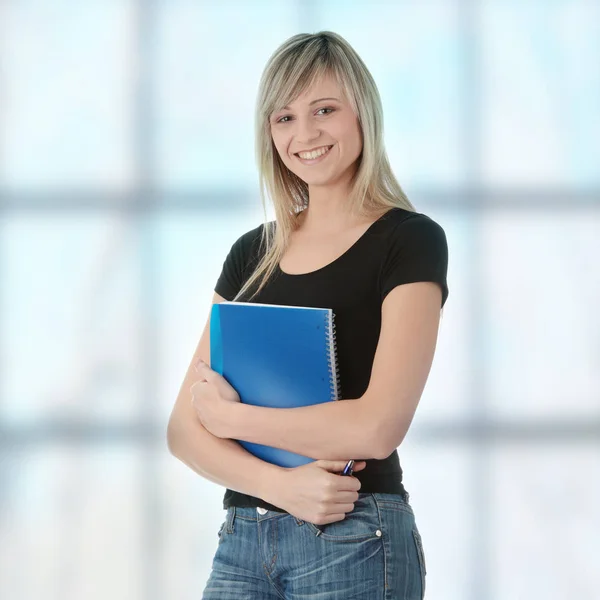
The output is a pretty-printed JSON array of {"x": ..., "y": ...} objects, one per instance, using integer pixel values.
[
  {"x": 221, "y": 461},
  {"x": 375, "y": 424},
  {"x": 330, "y": 431}
]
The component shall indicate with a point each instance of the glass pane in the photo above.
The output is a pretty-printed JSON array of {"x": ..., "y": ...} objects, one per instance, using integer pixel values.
[
  {"x": 437, "y": 477},
  {"x": 206, "y": 86},
  {"x": 545, "y": 522},
  {"x": 67, "y": 75},
  {"x": 541, "y": 93},
  {"x": 418, "y": 73},
  {"x": 71, "y": 523},
  {"x": 70, "y": 319},
  {"x": 542, "y": 279},
  {"x": 191, "y": 252},
  {"x": 193, "y": 512},
  {"x": 446, "y": 393}
]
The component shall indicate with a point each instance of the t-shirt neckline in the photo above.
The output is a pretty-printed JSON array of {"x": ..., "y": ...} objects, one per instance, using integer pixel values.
[{"x": 341, "y": 256}]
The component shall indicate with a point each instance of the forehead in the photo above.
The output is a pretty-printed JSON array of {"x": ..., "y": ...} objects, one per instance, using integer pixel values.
[{"x": 324, "y": 87}]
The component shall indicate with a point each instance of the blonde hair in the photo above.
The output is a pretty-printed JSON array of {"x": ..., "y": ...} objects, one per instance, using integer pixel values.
[{"x": 292, "y": 68}]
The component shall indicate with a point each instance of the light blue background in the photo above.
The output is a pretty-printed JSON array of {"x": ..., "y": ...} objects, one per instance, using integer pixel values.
[{"x": 127, "y": 170}]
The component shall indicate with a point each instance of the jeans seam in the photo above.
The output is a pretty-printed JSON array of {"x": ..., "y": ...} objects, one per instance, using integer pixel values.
[
  {"x": 229, "y": 520},
  {"x": 420, "y": 559},
  {"x": 274, "y": 530},
  {"x": 264, "y": 566},
  {"x": 385, "y": 557}
]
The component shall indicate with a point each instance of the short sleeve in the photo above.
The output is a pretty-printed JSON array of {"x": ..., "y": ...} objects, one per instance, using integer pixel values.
[
  {"x": 418, "y": 251},
  {"x": 241, "y": 257},
  {"x": 230, "y": 280}
]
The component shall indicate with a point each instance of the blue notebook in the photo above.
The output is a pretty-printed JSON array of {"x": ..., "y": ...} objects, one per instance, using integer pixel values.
[{"x": 275, "y": 356}]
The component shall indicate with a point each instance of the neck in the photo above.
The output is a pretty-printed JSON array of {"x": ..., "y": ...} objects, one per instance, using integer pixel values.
[{"x": 328, "y": 209}]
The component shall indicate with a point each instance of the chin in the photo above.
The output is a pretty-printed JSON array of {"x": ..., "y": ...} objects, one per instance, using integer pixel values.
[{"x": 321, "y": 181}]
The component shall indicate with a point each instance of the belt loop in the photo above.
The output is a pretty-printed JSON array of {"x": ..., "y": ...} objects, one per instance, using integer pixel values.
[{"x": 230, "y": 519}]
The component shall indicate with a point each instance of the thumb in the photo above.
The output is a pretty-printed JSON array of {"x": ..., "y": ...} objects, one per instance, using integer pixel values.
[
  {"x": 200, "y": 365},
  {"x": 204, "y": 370}
]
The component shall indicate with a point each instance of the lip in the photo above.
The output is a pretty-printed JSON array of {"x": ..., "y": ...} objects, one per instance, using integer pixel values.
[{"x": 306, "y": 161}]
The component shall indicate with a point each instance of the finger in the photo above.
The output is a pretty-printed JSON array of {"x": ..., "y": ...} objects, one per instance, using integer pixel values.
[
  {"x": 208, "y": 374},
  {"x": 334, "y": 518},
  {"x": 334, "y": 466},
  {"x": 330, "y": 518},
  {"x": 200, "y": 365},
  {"x": 347, "y": 484},
  {"x": 337, "y": 509},
  {"x": 211, "y": 376},
  {"x": 196, "y": 388},
  {"x": 345, "y": 497}
]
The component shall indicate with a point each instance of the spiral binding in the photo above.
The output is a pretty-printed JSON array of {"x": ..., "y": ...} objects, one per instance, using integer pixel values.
[{"x": 332, "y": 357}]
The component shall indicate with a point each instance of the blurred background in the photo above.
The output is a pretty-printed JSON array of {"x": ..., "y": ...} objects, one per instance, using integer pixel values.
[{"x": 127, "y": 171}]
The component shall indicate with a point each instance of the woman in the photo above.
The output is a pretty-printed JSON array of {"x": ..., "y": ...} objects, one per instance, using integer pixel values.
[{"x": 346, "y": 237}]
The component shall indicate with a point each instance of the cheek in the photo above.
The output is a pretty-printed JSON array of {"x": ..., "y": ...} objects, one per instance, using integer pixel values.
[
  {"x": 279, "y": 146},
  {"x": 352, "y": 137}
]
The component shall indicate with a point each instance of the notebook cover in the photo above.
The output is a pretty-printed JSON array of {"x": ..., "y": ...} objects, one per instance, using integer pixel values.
[{"x": 274, "y": 356}]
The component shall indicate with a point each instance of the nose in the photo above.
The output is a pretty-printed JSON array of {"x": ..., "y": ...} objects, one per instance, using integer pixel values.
[{"x": 306, "y": 131}]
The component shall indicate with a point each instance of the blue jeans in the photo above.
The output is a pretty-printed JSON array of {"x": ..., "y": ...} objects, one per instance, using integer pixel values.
[{"x": 375, "y": 553}]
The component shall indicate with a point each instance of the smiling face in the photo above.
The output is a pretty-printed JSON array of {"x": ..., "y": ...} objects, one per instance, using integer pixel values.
[{"x": 320, "y": 120}]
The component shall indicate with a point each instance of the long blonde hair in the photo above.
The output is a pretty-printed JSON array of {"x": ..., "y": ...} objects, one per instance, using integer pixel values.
[{"x": 291, "y": 69}]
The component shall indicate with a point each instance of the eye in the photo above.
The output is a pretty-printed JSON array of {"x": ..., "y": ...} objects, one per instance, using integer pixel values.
[{"x": 320, "y": 109}]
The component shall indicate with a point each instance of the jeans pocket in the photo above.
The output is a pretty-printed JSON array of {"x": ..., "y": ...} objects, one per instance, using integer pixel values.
[
  {"x": 360, "y": 525},
  {"x": 220, "y": 532},
  {"x": 421, "y": 556},
  {"x": 394, "y": 501}
]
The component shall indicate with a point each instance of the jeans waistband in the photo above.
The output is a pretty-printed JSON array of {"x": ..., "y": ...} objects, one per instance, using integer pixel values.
[{"x": 251, "y": 513}]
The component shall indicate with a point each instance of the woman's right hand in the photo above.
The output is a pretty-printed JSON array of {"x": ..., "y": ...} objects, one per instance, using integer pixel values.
[{"x": 316, "y": 493}]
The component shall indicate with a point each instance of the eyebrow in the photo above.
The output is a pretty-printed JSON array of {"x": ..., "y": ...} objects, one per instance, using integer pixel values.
[{"x": 313, "y": 102}]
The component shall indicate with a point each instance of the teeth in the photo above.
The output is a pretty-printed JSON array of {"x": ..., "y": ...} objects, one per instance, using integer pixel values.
[{"x": 314, "y": 154}]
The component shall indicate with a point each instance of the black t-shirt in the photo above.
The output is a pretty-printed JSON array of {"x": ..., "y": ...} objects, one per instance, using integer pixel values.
[{"x": 400, "y": 247}]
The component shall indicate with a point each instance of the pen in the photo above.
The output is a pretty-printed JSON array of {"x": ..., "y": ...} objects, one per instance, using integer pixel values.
[{"x": 348, "y": 468}]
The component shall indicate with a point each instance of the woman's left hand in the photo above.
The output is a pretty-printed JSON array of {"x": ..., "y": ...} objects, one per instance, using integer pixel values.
[{"x": 213, "y": 398}]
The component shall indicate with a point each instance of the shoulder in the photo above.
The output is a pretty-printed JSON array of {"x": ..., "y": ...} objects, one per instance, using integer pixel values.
[
  {"x": 409, "y": 219},
  {"x": 410, "y": 227},
  {"x": 417, "y": 250},
  {"x": 239, "y": 262},
  {"x": 247, "y": 244},
  {"x": 249, "y": 248},
  {"x": 248, "y": 238}
]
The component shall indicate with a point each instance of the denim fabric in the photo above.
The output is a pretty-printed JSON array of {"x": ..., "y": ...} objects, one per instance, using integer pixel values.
[{"x": 375, "y": 553}]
